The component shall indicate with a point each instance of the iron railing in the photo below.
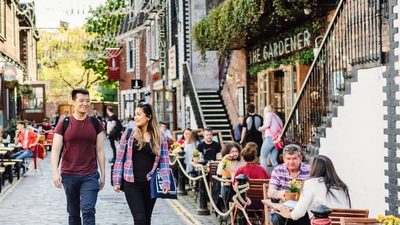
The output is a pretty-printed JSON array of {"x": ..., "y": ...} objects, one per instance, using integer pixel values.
[
  {"x": 353, "y": 39},
  {"x": 190, "y": 89}
]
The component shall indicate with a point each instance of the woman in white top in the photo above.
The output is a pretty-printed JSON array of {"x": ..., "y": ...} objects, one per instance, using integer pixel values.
[
  {"x": 324, "y": 187},
  {"x": 189, "y": 146}
]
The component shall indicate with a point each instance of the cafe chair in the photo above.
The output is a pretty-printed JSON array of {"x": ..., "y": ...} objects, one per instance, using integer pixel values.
[
  {"x": 337, "y": 214},
  {"x": 256, "y": 210},
  {"x": 358, "y": 221},
  {"x": 49, "y": 141}
]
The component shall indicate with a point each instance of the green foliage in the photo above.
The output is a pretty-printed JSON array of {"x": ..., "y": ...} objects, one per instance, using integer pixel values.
[
  {"x": 9, "y": 128},
  {"x": 60, "y": 54},
  {"x": 25, "y": 90},
  {"x": 103, "y": 25},
  {"x": 233, "y": 20},
  {"x": 229, "y": 21},
  {"x": 109, "y": 92}
]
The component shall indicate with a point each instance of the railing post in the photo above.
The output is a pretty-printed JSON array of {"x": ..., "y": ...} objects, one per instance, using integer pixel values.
[
  {"x": 242, "y": 180},
  {"x": 203, "y": 210},
  {"x": 181, "y": 175}
]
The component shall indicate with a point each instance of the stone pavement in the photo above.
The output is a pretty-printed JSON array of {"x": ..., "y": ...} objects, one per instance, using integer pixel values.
[{"x": 34, "y": 201}]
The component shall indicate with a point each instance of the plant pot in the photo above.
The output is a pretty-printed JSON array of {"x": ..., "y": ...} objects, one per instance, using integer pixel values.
[
  {"x": 196, "y": 159},
  {"x": 291, "y": 196},
  {"x": 225, "y": 173}
]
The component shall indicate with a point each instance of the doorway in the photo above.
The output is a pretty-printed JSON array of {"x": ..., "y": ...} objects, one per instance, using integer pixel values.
[{"x": 278, "y": 88}]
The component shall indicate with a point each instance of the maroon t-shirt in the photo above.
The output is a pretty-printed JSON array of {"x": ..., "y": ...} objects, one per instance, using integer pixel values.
[{"x": 78, "y": 156}]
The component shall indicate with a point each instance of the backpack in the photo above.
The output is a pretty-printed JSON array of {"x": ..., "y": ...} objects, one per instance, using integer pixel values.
[
  {"x": 95, "y": 123},
  {"x": 116, "y": 132}
]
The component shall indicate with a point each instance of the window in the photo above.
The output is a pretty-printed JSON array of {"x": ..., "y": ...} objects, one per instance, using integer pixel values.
[
  {"x": 34, "y": 103},
  {"x": 130, "y": 57},
  {"x": 2, "y": 20}
]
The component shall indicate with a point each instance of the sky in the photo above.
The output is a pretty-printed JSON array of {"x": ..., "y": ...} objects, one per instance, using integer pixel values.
[{"x": 49, "y": 13}]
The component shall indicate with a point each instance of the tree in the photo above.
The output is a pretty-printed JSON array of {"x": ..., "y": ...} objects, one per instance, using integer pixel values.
[
  {"x": 60, "y": 56},
  {"x": 103, "y": 25}
]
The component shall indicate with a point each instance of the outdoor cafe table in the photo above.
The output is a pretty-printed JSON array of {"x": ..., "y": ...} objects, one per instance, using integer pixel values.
[
  {"x": 8, "y": 149},
  {"x": 268, "y": 206}
]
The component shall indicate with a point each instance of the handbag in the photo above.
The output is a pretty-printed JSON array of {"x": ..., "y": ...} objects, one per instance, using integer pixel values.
[
  {"x": 277, "y": 142},
  {"x": 156, "y": 186}
]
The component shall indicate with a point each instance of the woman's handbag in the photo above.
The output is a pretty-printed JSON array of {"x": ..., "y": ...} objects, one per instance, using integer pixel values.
[{"x": 156, "y": 186}]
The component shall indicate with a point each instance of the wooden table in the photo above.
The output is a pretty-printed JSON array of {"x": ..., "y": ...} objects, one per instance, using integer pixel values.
[
  {"x": 9, "y": 149},
  {"x": 268, "y": 204}
]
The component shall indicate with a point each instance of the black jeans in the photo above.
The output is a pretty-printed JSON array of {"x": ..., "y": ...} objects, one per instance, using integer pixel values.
[
  {"x": 139, "y": 200},
  {"x": 112, "y": 143},
  {"x": 277, "y": 219}
]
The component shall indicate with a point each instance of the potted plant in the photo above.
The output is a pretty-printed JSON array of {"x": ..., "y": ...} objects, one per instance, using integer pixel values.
[
  {"x": 176, "y": 147},
  {"x": 293, "y": 191},
  {"x": 226, "y": 164},
  {"x": 196, "y": 155}
]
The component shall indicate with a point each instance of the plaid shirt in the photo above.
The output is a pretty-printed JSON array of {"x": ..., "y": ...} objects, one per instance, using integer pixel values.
[
  {"x": 126, "y": 167},
  {"x": 280, "y": 176}
]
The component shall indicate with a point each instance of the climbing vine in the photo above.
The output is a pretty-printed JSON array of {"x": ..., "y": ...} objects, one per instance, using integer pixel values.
[{"x": 233, "y": 20}]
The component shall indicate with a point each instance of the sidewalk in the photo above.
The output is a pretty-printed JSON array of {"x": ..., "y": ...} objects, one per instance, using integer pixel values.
[{"x": 34, "y": 200}]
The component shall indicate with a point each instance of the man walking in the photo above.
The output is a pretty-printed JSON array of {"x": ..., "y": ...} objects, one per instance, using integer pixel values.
[
  {"x": 83, "y": 152},
  {"x": 113, "y": 131}
]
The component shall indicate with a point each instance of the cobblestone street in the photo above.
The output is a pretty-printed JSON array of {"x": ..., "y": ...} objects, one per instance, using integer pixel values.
[{"x": 34, "y": 200}]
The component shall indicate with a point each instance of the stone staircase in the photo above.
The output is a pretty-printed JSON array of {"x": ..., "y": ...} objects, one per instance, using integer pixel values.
[{"x": 214, "y": 112}]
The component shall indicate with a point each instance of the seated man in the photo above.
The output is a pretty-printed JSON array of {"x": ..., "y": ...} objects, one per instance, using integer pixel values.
[
  {"x": 25, "y": 138},
  {"x": 292, "y": 168},
  {"x": 46, "y": 127},
  {"x": 210, "y": 149}
]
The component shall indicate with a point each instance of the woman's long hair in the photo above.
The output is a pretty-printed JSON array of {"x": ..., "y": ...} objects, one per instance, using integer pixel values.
[
  {"x": 152, "y": 128},
  {"x": 322, "y": 167}
]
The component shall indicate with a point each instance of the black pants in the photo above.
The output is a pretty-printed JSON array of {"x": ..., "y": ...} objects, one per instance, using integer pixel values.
[
  {"x": 139, "y": 200},
  {"x": 112, "y": 143},
  {"x": 277, "y": 219}
]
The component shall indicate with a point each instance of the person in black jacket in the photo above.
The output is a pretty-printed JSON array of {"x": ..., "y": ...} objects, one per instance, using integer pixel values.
[{"x": 250, "y": 131}]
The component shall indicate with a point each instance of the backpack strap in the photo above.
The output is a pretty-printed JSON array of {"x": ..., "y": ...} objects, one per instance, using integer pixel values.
[
  {"x": 95, "y": 123},
  {"x": 64, "y": 129}
]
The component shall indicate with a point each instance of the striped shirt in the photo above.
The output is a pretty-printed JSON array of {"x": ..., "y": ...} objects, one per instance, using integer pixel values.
[
  {"x": 126, "y": 167},
  {"x": 280, "y": 177}
]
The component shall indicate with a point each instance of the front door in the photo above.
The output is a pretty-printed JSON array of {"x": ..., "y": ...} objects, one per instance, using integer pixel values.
[{"x": 278, "y": 88}]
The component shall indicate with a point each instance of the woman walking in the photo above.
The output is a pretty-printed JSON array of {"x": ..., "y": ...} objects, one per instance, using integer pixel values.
[
  {"x": 145, "y": 150},
  {"x": 271, "y": 128}
]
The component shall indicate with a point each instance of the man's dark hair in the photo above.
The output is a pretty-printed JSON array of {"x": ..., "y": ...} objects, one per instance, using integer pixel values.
[
  {"x": 22, "y": 123},
  {"x": 78, "y": 91},
  {"x": 110, "y": 108},
  {"x": 208, "y": 129},
  {"x": 251, "y": 108}
]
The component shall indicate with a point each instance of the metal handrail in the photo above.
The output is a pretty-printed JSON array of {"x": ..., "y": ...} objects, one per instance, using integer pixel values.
[
  {"x": 347, "y": 42},
  {"x": 196, "y": 102}
]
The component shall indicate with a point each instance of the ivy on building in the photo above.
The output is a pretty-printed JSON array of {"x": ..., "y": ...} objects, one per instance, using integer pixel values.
[{"x": 234, "y": 20}]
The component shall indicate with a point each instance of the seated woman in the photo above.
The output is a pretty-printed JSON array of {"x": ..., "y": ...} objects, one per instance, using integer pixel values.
[
  {"x": 230, "y": 163},
  {"x": 191, "y": 141},
  {"x": 324, "y": 186},
  {"x": 252, "y": 169}
]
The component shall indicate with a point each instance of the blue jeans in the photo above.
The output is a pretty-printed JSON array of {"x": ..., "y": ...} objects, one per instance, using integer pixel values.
[
  {"x": 81, "y": 192},
  {"x": 268, "y": 148},
  {"x": 23, "y": 154}
]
